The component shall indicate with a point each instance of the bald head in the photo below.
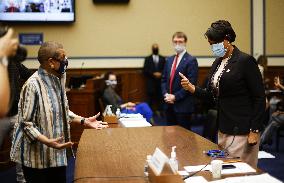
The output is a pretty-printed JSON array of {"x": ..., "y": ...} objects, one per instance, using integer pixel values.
[
  {"x": 155, "y": 45},
  {"x": 48, "y": 50},
  {"x": 155, "y": 49}
]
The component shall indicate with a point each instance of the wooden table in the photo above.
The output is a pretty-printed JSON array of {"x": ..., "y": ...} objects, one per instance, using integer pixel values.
[{"x": 118, "y": 154}]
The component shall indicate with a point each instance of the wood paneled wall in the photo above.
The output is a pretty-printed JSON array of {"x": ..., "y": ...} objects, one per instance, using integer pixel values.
[
  {"x": 131, "y": 87},
  {"x": 132, "y": 82}
]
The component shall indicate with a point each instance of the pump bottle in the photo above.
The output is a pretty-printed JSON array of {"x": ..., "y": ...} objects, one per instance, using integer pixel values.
[
  {"x": 173, "y": 159},
  {"x": 146, "y": 166},
  {"x": 117, "y": 112}
]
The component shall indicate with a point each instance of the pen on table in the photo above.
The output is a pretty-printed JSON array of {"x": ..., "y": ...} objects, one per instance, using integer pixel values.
[{"x": 233, "y": 161}]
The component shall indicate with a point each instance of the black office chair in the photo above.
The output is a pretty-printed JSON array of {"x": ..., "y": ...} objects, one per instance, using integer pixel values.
[
  {"x": 279, "y": 134},
  {"x": 5, "y": 162}
]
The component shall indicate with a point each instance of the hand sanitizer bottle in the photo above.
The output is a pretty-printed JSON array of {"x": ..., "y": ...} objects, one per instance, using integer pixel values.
[
  {"x": 109, "y": 112},
  {"x": 173, "y": 159},
  {"x": 146, "y": 166},
  {"x": 117, "y": 112}
]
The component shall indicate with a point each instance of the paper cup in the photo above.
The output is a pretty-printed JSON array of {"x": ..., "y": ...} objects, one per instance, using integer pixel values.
[{"x": 216, "y": 166}]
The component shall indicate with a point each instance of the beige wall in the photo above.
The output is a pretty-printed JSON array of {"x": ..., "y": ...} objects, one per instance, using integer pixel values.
[
  {"x": 129, "y": 30},
  {"x": 274, "y": 27}
]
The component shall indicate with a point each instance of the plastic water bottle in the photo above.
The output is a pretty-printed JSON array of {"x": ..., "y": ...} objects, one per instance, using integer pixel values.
[{"x": 146, "y": 166}]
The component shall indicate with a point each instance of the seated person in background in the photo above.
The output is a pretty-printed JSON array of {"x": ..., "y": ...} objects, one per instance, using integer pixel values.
[
  {"x": 276, "y": 120},
  {"x": 110, "y": 97}
]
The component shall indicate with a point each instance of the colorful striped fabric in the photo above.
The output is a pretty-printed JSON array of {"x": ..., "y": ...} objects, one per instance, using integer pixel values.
[{"x": 41, "y": 112}]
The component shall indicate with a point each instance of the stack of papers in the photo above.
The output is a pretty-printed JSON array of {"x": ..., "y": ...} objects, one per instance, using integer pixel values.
[
  {"x": 124, "y": 115},
  {"x": 263, "y": 154},
  {"x": 133, "y": 120},
  {"x": 196, "y": 179}
]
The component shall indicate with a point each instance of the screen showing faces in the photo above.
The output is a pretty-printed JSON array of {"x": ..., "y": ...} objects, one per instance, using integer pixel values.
[{"x": 37, "y": 10}]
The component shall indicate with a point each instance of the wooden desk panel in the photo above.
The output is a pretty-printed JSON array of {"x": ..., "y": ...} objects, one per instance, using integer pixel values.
[{"x": 121, "y": 152}]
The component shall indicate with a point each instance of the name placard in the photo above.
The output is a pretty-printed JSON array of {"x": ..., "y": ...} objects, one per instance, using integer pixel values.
[
  {"x": 159, "y": 159},
  {"x": 31, "y": 38}
]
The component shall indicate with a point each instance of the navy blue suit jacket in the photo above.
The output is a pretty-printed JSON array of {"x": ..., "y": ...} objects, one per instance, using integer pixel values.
[{"x": 188, "y": 66}]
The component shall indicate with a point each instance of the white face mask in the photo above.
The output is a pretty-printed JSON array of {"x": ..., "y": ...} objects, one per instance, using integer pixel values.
[
  {"x": 179, "y": 48},
  {"x": 111, "y": 82}
]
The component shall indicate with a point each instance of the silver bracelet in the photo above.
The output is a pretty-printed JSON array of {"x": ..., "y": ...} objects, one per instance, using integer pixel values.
[{"x": 4, "y": 61}]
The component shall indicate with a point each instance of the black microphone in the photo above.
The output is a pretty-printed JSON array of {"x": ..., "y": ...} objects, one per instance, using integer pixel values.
[
  {"x": 81, "y": 70},
  {"x": 235, "y": 131}
]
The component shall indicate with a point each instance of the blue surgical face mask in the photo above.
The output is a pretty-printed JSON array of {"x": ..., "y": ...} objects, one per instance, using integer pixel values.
[
  {"x": 63, "y": 66},
  {"x": 218, "y": 49}
]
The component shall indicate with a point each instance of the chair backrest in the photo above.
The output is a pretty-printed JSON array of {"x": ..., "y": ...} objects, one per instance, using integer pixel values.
[
  {"x": 101, "y": 104},
  {"x": 5, "y": 162}
]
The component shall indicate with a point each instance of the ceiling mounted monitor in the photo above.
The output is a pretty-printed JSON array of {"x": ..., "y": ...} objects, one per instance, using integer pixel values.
[
  {"x": 37, "y": 10},
  {"x": 111, "y": 1}
]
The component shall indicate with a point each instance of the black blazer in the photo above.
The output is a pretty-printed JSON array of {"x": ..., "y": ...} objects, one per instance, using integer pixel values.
[
  {"x": 153, "y": 84},
  {"x": 241, "y": 101}
]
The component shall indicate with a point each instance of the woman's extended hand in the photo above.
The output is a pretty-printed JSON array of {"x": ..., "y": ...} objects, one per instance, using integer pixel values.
[
  {"x": 92, "y": 122},
  {"x": 186, "y": 84},
  {"x": 253, "y": 138}
]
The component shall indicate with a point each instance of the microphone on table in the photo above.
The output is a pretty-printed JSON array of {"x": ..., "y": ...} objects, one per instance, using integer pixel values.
[
  {"x": 223, "y": 153},
  {"x": 235, "y": 130},
  {"x": 216, "y": 153},
  {"x": 81, "y": 69}
]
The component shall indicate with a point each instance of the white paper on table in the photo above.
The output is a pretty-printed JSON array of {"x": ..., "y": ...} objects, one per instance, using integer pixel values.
[
  {"x": 135, "y": 123},
  {"x": 125, "y": 115},
  {"x": 183, "y": 173},
  {"x": 132, "y": 119},
  {"x": 263, "y": 154},
  {"x": 263, "y": 178},
  {"x": 240, "y": 168},
  {"x": 197, "y": 168},
  {"x": 196, "y": 179}
]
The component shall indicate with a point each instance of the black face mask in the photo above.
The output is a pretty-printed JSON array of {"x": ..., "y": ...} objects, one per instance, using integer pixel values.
[
  {"x": 63, "y": 66},
  {"x": 155, "y": 51}
]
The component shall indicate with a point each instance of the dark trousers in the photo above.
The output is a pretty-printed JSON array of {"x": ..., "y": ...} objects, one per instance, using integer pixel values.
[
  {"x": 46, "y": 175},
  {"x": 155, "y": 99},
  {"x": 181, "y": 119}
]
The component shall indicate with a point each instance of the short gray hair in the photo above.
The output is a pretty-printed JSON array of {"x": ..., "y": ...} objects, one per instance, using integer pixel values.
[{"x": 48, "y": 50}]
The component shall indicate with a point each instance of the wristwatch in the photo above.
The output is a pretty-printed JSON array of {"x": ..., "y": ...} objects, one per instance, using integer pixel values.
[
  {"x": 82, "y": 121},
  {"x": 254, "y": 131},
  {"x": 4, "y": 61}
]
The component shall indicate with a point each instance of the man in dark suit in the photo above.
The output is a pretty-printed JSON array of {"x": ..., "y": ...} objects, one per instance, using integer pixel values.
[
  {"x": 179, "y": 103},
  {"x": 153, "y": 68}
]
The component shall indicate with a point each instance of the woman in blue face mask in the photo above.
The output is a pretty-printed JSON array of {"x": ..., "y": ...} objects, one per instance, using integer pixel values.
[
  {"x": 110, "y": 97},
  {"x": 236, "y": 90}
]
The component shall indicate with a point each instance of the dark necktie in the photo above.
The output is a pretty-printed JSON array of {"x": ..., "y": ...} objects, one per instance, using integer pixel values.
[{"x": 173, "y": 72}]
